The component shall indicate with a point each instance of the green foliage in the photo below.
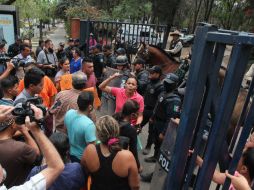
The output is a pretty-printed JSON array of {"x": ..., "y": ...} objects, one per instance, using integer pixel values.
[
  {"x": 132, "y": 9},
  {"x": 229, "y": 14}
]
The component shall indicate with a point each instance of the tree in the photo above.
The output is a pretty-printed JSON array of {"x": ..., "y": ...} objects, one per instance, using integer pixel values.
[
  {"x": 208, "y": 5},
  {"x": 165, "y": 11},
  {"x": 229, "y": 13}
]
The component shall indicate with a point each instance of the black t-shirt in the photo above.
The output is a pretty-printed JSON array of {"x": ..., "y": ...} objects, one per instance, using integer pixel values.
[{"x": 127, "y": 130}]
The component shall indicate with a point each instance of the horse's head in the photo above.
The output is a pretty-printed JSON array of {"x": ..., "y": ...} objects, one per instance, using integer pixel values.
[{"x": 143, "y": 51}]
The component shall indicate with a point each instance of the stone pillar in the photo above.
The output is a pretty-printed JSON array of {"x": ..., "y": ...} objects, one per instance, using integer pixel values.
[{"x": 75, "y": 27}]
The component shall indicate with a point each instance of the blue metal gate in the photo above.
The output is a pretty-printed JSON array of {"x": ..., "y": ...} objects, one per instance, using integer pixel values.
[
  {"x": 129, "y": 34},
  {"x": 205, "y": 97}
]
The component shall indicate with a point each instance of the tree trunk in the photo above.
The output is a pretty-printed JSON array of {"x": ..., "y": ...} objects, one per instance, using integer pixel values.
[
  {"x": 40, "y": 29},
  {"x": 208, "y": 9},
  {"x": 196, "y": 13}
]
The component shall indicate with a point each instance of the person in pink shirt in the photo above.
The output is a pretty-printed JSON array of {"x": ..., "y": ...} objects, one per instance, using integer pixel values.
[{"x": 123, "y": 94}]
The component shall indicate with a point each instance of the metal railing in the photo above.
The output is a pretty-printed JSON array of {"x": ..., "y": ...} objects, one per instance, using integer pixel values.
[
  {"x": 205, "y": 97},
  {"x": 124, "y": 34}
]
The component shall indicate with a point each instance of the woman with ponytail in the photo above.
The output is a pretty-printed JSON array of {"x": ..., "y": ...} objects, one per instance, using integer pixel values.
[
  {"x": 110, "y": 167},
  {"x": 124, "y": 118}
]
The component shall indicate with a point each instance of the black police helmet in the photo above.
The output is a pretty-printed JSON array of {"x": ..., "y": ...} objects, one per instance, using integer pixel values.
[
  {"x": 121, "y": 60},
  {"x": 171, "y": 79},
  {"x": 121, "y": 51}
]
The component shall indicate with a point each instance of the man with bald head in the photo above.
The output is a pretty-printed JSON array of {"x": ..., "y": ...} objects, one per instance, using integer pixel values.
[{"x": 67, "y": 99}]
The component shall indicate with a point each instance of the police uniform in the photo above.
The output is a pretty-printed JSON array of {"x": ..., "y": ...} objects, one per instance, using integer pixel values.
[
  {"x": 13, "y": 50},
  {"x": 68, "y": 52},
  {"x": 143, "y": 80},
  {"x": 172, "y": 45},
  {"x": 182, "y": 70},
  {"x": 168, "y": 106},
  {"x": 98, "y": 64},
  {"x": 110, "y": 61},
  {"x": 154, "y": 89}
]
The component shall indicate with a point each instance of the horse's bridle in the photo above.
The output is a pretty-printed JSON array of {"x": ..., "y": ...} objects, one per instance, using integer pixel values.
[{"x": 144, "y": 54}]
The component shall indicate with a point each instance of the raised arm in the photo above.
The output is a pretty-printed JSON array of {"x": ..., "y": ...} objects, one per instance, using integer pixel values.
[
  {"x": 104, "y": 85},
  {"x": 54, "y": 161}
]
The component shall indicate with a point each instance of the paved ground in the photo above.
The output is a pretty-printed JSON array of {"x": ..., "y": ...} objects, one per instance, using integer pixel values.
[{"x": 58, "y": 35}]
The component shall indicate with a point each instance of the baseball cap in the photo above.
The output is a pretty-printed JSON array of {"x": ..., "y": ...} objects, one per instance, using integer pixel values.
[
  {"x": 9, "y": 122},
  {"x": 139, "y": 61},
  {"x": 155, "y": 69}
]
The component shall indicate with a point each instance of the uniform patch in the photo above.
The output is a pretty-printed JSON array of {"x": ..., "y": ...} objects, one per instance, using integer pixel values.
[{"x": 176, "y": 108}]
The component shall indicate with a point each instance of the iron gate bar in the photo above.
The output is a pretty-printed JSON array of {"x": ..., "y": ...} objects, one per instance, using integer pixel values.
[
  {"x": 129, "y": 34},
  {"x": 239, "y": 57},
  {"x": 150, "y": 35},
  {"x": 212, "y": 88},
  {"x": 242, "y": 141},
  {"x": 194, "y": 91},
  {"x": 242, "y": 117},
  {"x": 243, "y": 38}
]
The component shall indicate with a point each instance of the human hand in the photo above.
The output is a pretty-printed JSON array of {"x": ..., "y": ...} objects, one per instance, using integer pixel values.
[
  {"x": 10, "y": 66},
  {"x": 5, "y": 111},
  {"x": 38, "y": 114},
  {"x": 239, "y": 182},
  {"x": 115, "y": 75},
  {"x": 161, "y": 137}
]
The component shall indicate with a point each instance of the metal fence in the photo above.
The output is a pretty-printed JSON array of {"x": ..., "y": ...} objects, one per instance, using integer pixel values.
[
  {"x": 205, "y": 98},
  {"x": 121, "y": 34}
]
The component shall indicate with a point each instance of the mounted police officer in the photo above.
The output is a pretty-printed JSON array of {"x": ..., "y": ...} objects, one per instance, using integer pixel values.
[
  {"x": 153, "y": 90},
  {"x": 142, "y": 75},
  {"x": 175, "y": 47},
  {"x": 167, "y": 107},
  {"x": 110, "y": 58}
]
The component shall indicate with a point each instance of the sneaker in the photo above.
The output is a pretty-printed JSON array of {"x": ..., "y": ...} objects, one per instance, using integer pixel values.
[
  {"x": 146, "y": 151},
  {"x": 146, "y": 177},
  {"x": 151, "y": 159}
]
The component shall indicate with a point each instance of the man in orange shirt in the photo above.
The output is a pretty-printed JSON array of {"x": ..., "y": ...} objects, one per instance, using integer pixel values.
[{"x": 48, "y": 92}]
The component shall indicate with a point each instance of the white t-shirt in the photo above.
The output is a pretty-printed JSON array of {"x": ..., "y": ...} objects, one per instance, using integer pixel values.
[{"x": 37, "y": 182}]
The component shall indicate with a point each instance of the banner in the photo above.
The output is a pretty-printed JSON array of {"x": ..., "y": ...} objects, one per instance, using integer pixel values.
[{"x": 7, "y": 32}]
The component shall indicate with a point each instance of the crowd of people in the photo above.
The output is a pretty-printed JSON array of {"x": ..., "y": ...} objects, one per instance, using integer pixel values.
[{"x": 50, "y": 134}]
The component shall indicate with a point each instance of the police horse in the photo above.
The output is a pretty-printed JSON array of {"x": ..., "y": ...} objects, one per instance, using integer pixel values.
[{"x": 154, "y": 55}]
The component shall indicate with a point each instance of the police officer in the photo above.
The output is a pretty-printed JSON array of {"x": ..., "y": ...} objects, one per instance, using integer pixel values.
[
  {"x": 122, "y": 65},
  {"x": 175, "y": 47},
  {"x": 142, "y": 75},
  {"x": 98, "y": 64},
  {"x": 167, "y": 107},
  {"x": 110, "y": 58},
  {"x": 153, "y": 90},
  {"x": 61, "y": 54},
  {"x": 14, "y": 49},
  {"x": 6, "y": 68},
  {"x": 68, "y": 50}
]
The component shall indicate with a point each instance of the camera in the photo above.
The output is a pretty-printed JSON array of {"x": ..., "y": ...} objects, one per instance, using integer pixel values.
[
  {"x": 24, "y": 109},
  {"x": 17, "y": 62},
  {"x": 4, "y": 58}
]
